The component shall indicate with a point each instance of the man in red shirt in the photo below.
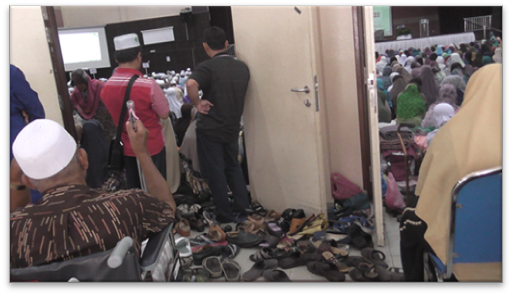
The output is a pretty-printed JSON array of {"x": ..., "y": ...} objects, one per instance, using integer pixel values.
[{"x": 150, "y": 105}]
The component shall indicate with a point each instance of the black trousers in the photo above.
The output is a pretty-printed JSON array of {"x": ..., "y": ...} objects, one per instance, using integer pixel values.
[
  {"x": 412, "y": 245},
  {"x": 132, "y": 171},
  {"x": 94, "y": 143}
]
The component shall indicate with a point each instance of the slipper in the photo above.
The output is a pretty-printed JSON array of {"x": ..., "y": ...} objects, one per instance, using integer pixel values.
[
  {"x": 330, "y": 258},
  {"x": 298, "y": 224},
  {"x": 327, "y": 270},
  {"x": 256, "y": 208},
  {"x": 209, "y": 217},
  {"x": 285, "y": 242},
  {"x": 272, "y": 216},
  {"x": 331, "y": 246},
  {"x": 183, "y": 227},
  {"x": 267, "y": 253},
  {"x": 196, "y": 275},
  {"x": 184, "y": 247},
  {"x": 319, "y": 223},
  {"x": 298, "y": 259},
  {"x": 213, "y": 265},
  {"x": 306, "y": 246},
  {"x": 274, "y": 229},
  {"x": 359, "y": 238},
  {"x": 216, "y": 234},
  {"x": 375, "y": 256},
  {"x": 247, "y": 226},
  {"x": 392, "y": 274},
  {"x": 257, "y": 220},
  {"x": 229, "y": 251},
  {"x": 268, "y": 240},
  {"x": 223, "y": 243},
  {"x": 276, "y": 275},
  {"x": 364, "y": 272},
  {"x": 258, "y": 268},
  {"x": 204, "y": 252},
  {"x": 243, "y": 239},
  {"x": 231, "y": 270}
]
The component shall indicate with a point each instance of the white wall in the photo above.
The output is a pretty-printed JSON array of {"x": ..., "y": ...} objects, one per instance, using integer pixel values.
[
  {"x": 29, "y": 51},
  {"x": 90, "y": 16}
]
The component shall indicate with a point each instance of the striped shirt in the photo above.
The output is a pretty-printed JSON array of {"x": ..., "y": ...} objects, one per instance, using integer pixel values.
[
  {"x": 75, "y": 220},
  {"x": 150, "y": 104}
]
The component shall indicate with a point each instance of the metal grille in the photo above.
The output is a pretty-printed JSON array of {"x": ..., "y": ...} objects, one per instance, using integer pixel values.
[{"x": 478, "y": 23}]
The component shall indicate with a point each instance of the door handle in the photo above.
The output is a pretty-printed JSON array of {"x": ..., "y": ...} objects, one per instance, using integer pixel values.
[{"x": 305, "y": 90}]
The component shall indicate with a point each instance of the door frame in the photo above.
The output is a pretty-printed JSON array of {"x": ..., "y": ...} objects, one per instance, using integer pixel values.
[{"x": 367, "y": 102}]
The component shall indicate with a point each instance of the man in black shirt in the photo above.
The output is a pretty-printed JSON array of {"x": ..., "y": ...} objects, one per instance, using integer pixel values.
[{"x": 224, "y": 81}]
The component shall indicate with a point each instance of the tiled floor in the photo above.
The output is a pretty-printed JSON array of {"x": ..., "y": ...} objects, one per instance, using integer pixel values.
[{"x": 301, "y": 274}]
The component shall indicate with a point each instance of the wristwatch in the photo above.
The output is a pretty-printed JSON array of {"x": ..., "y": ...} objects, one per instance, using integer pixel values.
[{"x": 18, "y": 187}]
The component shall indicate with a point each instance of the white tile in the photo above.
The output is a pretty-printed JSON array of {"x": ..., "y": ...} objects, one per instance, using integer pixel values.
[{"x": 301, "y": 274}]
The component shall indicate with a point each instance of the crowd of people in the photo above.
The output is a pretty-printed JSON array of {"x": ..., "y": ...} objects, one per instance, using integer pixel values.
[
  {"x": 451, "y": 96},
  {"x": 413, "y": 82}
]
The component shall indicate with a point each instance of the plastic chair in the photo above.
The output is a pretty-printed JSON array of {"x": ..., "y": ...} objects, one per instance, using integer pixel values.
[
  {"x": 120, "y": 264},
  {"x": 476, "y": 197}
]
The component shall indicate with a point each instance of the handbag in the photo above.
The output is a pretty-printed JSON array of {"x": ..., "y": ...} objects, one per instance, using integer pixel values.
[
  {"x": 342, "y": 188},
  {"x": 116, "y": 161}
]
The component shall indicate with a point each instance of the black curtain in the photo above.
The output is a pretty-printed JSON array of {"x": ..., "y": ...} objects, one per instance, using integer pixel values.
[{"x": 451, "y": 17}]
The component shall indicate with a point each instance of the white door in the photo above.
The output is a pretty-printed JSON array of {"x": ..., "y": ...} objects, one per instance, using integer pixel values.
[
  {"x": 282, "y": 128},
  {"x": 368, "y": 23}
]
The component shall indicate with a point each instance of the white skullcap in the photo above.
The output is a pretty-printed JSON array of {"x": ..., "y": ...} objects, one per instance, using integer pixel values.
[
  {"x": 126, "y": 41},
  {"x": 160, "y": 82},
  {"x": 43, "y": 148}
]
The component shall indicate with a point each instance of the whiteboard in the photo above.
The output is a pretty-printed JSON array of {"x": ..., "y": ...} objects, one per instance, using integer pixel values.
[{"x": 160, "y": 35}]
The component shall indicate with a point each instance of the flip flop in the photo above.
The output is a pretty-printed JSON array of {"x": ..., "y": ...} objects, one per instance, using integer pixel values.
[
  {"x": 258, "y": 269},
  {"x": 276, "y": 275},
  {"x": 327, "y": 270},
  {"x": 375, "y": 256},
  {"x": 330, "y": 258},
  {"x": 213, "y": 266},
  {"x": 196, "y": 275},
  {"x": 229, "y": 251},
  {"x": 298, "y": 259},
  {"x": 243, "y": 239},
  {"x": 231, "y": 270}
]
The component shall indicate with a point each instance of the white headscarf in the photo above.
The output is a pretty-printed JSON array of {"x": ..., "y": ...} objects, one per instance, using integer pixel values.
[
  {"x": 442, "y": 112},
  {"x": 402, "y": 60},
  {"x": 381, "y": 64},
  {"x": 408, "y": 63},
  {"x": 455, "y": 57},
  {"x": 441, "y": 62},
  {"x": 174, "y": 104},
  {"x": 497, "y": 57}
]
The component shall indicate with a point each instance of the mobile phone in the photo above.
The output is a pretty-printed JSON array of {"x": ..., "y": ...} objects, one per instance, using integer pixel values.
[{"x": 131, "y": 114}]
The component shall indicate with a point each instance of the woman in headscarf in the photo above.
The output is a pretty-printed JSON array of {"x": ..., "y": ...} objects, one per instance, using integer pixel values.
[
  {"x": 399, "y": 84},
  {"x": 487, "y": 60},
  {"x": 381, "y": 64},
  {"x": 441, "y": 62},
  {"x": 442, "y": 113},
  {"x": 448, "y": 95},
  {"x": 439, "y": 50},
  {"x": 386, "y": 76},
  {"x": 405, "y": 74},
  {"x": 429, "y": 85},
  {"x": 478, "y": 60},
  {"x": 402, "y": 60},
  {"x": 381, "y": 87},
  {"x": 172, "y": 100},
  {"x": 471, "y": 141},
  {"x": 410, "y": 106},
  {"x": 427, "y": 51},
  {"x": 394, "y": 74},
  {"x": 88, "y": 104},
  {"x": 460, "y": 85},
  {"x": 384, "y": 112},
  {"x": 409, "y": 61},
  {"x": 497, "y": 57},
  {"x": 468, "y": 59}
]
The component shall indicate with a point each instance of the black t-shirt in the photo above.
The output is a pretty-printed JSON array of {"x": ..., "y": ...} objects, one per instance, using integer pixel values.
[{"x": 224, "y": 81}]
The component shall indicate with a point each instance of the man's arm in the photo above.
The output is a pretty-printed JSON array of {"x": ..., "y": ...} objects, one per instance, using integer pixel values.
[
  {"x": 156, "y": 184},
  {"x": 159, "y": 102},
  {"x": 28, "y": 97},
  {"x": 202, "y": 105}
]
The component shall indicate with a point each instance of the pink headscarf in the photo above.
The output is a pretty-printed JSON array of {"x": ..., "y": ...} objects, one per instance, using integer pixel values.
[{"x": 87, "y": 109}]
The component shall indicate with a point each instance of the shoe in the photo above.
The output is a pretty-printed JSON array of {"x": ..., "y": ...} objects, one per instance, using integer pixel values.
[
  {"x": 298, "y": 224},
  {"x": 268, "y": 240},
  {"x": 375, "y": 256},
  {"x": 256, "y": 208},
  {"x": 204, "y": 252},
  {"x": 274, "y": 229},
  {"x": 327, "y": 270},
  {"x": 183, "y": 228},
  {"x": 196, "y": 275},
  {"x": 209, "y": 217},
  {"x": 216, "y": 234},
  {"x": 258, "y": 269},
  {"x": 297, "y": 259},
  {"x": 213, "y": 265},
  {"x": 184, "y": 247},
  {"x": 197, "y": 224},
  {"x": 231, "y": 270},
  {"x": 275, "y": 275},
  {"x": 243, "y": 239},
  {"x": 229, "y": 251}
]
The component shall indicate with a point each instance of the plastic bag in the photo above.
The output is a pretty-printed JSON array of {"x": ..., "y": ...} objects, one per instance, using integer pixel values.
[
  {"x": 393, "y": 198},
  {"x": 342, "y": 188}
]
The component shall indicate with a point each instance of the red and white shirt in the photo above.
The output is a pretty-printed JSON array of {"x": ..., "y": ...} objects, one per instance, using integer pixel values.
[{"x": 150, "y": 104}]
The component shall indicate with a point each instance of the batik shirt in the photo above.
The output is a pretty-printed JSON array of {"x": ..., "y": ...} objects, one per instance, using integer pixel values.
[{"x": 74, "y": 221}]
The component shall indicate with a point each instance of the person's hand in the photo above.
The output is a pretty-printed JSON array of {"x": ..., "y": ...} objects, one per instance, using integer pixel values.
[
  {"x": 139, "y": 139},
  {"x": 25, "y": 116},
  {"x": 204, "y": 106}
]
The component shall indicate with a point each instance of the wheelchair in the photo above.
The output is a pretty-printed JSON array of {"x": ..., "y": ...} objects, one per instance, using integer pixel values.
[
  {"x": 475, "y": 226},
  {"x": 160, "y": 262}
]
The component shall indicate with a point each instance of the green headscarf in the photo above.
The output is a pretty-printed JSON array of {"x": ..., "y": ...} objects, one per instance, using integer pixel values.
[
  {"x": 410, "y": 104},
  {"x": 487, "y": 60}
]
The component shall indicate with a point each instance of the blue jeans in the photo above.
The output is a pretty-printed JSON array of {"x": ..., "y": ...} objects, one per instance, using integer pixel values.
[{"x": 219, "y": 165}]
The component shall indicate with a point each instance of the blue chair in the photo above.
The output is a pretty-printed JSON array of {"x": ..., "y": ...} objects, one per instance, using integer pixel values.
[{"x": 476, "y": 223}]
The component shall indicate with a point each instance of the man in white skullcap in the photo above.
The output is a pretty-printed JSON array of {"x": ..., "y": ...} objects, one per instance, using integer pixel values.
[
  {"x": 150, "y": 105},
  {"x": 73, "y": 220}
]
